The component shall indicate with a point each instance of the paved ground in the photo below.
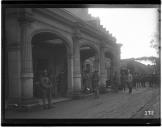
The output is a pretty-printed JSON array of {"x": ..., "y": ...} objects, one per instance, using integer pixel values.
[
  {"x": 151, "y": 109},
  {"x": 110, "y": 105}
]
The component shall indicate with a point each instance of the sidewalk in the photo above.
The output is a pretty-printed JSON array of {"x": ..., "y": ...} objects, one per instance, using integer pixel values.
[
  {"x": 109, "y": 105},
  {"x": 39, "y": 104}
]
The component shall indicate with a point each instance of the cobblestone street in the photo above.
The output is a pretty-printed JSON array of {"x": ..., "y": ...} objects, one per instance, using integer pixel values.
[{"x": 110, "y": 105}]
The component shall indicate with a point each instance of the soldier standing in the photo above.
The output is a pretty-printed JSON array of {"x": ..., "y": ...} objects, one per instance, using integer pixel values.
[
  {"x": 115, "y": 83},
  {"x": 87, "y": 82},
  {"x": 95, "y": 83},
  {"x": 61, "y": 84},
  {"x": 52, "y": 79},
  {"x": 46, "y": 86},
  {"x": 84, "y": 78},
  {"x": 130, "y": 79},
  {"x": 124, "y": 80}
]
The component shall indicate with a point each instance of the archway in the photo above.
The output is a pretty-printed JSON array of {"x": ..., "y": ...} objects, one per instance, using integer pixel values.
[
  {"x": 89, "y": 60},
  {"x": 50, "y": 52}
]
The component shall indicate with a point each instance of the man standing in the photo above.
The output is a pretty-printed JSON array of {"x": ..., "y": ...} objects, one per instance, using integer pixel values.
[
  {"x": 130, "y": 79},
  {"x": 123, "y": 80},
  {"x": 61, "y": 83},
  {"x": 46, "y": 86},
  {"x": 84, "y": 79},
  {"x": 115, "y": 83},
  {"x": 95, "y": 83}
]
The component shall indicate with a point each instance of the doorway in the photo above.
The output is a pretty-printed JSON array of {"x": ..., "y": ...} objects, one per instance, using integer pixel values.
[{"x": 50, "y": 54}]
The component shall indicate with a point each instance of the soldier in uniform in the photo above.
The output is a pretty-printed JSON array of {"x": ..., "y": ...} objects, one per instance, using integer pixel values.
[
  {"x": 115, "y": 83},
  {"x": 130, "y": 79},
  {"x": 95, "y": 83},
  {"x": 138, "y": 81},
  {"x": 87, "y": 81},
  {"x": 142, "y": 80},
  {"x": 135, "y": 80},
  {"x": 123, "y": 80},
  {"x": 61, "y": 83},
  {"x": 84, "y": 78},
  {"x": 46, "y": 86},
  {"x": 151, "y": 82}
]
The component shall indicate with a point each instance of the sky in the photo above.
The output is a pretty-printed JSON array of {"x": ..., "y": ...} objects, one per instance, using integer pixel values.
[{"x": 134, "y": 28}]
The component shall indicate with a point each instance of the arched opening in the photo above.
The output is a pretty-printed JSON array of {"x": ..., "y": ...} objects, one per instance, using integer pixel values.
[
  {"x": 89, "y": 63},
  {"x": 49, "y": 52}
]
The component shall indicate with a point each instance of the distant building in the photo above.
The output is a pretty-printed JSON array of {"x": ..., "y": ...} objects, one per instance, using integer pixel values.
[{"x": 136, "y": 66}]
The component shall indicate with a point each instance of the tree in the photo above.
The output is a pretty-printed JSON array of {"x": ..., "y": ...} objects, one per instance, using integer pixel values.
[{"x": 154, "y": 60}]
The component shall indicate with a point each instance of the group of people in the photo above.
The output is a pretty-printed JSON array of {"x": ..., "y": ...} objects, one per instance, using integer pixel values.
[
  {"x": 127, "y": 80},
  {"x": 46, "y": 89},
  {"x": 140, "y": 80},
  {"x": 135, "y": 80},
  {"x": 49, "y": 85},
  {"x": 90, "y": 82}
]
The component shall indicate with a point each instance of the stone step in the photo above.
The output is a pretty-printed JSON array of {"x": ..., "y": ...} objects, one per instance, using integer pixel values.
[{"x": 32, "y": 106}]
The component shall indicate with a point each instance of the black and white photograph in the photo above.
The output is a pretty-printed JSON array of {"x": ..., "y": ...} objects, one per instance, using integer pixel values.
[{"x": 81, "y": 63}]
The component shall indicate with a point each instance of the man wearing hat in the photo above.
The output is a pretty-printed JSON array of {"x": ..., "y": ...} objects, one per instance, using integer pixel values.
[{"x": 46, "y": 86}]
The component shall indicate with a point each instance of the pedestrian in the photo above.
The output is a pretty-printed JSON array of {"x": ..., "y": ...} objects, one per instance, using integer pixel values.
[
  {"x": 61, "y": 84},
  {"x": 130, "y": 79},
  {"x": 123, "y": 80},
  {"x": 115, "y": 83},
  {"x": 52, "y": 79},
  {"x": 142, "y": 80},
  {"x": 154, "y": 79},
  {"x": 46, "y": 86},
  {"x": 87, "y": 82},
  {"x": 138, "y": 81},
  {"x": 95, "y": 83},
  {"x": 135, "y": 80}
]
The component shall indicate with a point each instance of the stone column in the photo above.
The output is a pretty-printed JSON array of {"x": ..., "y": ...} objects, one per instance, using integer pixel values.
[
  {"x": 116, "y": 67},
  {"x": 13, "y": 78},
  {"x": 76, "y": 65},
  {"x": 111, "y": 71},
  {"x": 26, "y": 57},
  {"x": 102, "y": 66},
  {"x": 70, "y": 74},
  {"x": 96, "y": 63}
]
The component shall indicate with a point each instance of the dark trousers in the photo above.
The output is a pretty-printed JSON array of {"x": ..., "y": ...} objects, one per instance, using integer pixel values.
[
  {"x": 95, "y": 88},
  {"x": 130, "y": 87},
  {"x": 96, "y": 92},
  {"x": 124, "y": 86},
  {"x": 47, "y": 95}
]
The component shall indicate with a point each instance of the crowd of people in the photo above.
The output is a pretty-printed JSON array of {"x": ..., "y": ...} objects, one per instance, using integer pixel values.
[
  {"x": 138, "y": 80},
  {"x": 90, "y": 83},
  {"x": 126, "y": 80},
  {"x": 49, "y": 85}
]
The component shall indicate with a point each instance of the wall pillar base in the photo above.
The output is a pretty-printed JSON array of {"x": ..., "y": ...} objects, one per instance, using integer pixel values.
[
  {"x": 76, "y": 95},
  {"x": 27, "y": 85},
  {"x": 22, "y": 104}
]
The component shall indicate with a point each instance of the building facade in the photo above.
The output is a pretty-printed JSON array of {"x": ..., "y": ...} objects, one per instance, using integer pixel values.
[
  {"x": 57, "y": 40},
  {"x": 136, "y": 67}
]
